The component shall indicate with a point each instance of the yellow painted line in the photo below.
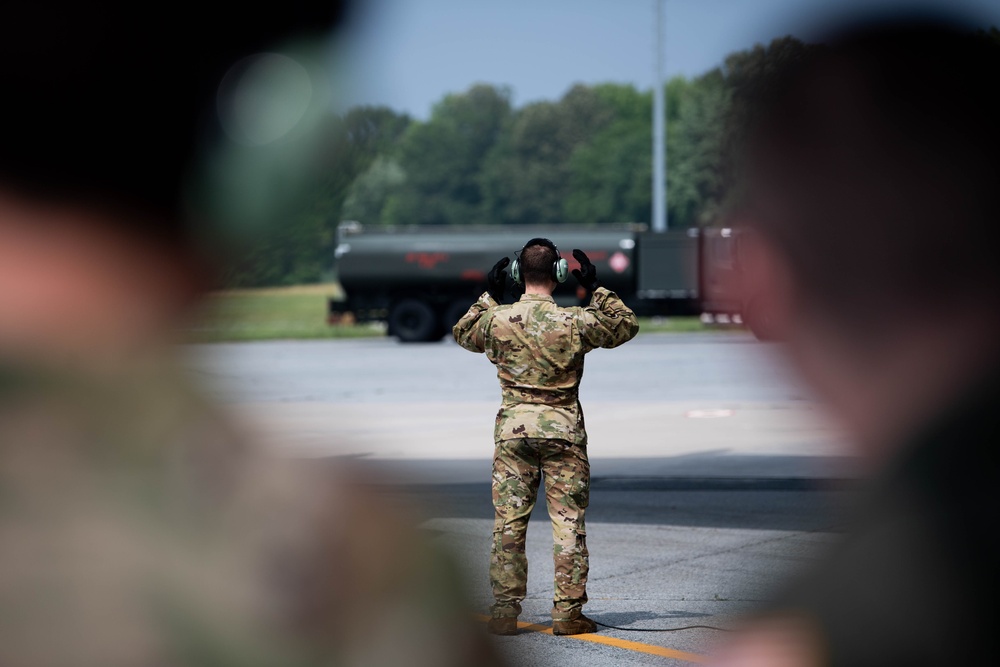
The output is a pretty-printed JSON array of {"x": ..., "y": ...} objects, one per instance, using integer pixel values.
[{"x": 638, "y": 647}]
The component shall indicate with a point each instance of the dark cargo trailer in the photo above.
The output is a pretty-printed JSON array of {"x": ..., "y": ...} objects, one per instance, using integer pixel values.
[{"x": 422, "y": 279}]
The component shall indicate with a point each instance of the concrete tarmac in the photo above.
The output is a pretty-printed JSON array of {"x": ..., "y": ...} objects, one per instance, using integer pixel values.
[
  {"x": 664, "y": 404},
  {"x": 715, "y": 477}
]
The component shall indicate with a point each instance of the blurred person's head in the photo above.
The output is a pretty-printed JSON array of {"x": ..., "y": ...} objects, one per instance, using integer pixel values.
[
  {"x": 132, "y": 138},
  {"x": 873, "y": 223},
  {"x": 536, "y": 261}
]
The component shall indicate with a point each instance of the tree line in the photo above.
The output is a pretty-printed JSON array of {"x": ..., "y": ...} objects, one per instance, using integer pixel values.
[{"x": 585, "y": 158}]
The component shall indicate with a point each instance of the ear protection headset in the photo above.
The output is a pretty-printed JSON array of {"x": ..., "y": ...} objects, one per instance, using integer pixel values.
[{"x": 560, "y": 267}]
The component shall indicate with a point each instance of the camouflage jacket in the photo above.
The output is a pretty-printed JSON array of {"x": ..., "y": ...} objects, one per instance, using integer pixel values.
[{"x": 538, "y": 349}]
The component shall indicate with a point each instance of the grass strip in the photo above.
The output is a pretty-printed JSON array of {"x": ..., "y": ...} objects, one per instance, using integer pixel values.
[
  {"x": 299, "y": 313},
  {"x": 685, "y": 324},
  {"x": 272, "y": 313}
]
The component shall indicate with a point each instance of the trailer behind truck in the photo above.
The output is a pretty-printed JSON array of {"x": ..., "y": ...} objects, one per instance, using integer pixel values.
[{"x": 420, "y": 280}]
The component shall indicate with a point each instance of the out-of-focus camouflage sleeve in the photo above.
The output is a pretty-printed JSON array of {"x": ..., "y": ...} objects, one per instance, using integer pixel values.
[
  {"x": 470, "y": 331},
  {"x": 607, "y": 321}
]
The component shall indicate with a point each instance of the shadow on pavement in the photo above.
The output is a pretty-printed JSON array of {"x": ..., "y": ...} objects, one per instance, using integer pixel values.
[
  {"x": 625, "y": 618},
  {"x": 795, "y": 509},
  {"x": 796, "y": 503}
]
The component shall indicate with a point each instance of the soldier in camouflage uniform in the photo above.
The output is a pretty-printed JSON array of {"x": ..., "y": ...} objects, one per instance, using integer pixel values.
[{"x": 538, "y": 349}]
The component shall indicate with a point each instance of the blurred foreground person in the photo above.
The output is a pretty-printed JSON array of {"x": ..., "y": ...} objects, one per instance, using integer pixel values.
[
  {"x": 873, "y": 229},
  {"x": 136, "y": 525}
]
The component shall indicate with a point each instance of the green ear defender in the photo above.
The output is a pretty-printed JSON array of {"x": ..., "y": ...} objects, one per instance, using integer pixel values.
[
  {"x": 560, "y": 267},
  {"x": 560, "y": 270}
]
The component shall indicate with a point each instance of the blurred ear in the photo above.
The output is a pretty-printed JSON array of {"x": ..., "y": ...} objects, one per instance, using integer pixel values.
[{"x": 766, "y": 289}]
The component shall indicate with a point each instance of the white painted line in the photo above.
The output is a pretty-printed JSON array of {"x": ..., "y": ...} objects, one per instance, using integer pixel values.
[{"x": 709, "y": 414}]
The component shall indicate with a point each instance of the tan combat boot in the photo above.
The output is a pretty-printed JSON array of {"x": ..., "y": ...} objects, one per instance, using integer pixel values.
[
  {"x": 502, "y": 625},
  {"x": 574, "y": 626}
]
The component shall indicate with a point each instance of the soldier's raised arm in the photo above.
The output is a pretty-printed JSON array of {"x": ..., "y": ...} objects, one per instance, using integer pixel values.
[
  {"x": 470, "y": 331},
  {"x": 607, "y": 321}
]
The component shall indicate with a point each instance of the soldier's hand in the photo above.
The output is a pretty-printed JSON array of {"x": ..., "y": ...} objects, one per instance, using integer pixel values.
[
  {"x": 586, "y": 275},
  {"x": 496, "y": 280}
]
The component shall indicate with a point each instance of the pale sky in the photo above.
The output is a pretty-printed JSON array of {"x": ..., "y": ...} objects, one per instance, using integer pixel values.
[{"x": 407, "y": 54}]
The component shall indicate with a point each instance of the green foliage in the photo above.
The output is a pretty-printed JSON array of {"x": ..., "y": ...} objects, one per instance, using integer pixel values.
[
  {"x": 585, "y": 158},
  {"x": 368, "y": 196},
  {"x": 442, "y": 159},
  {"x": 298, "y": 250},
  {"x": 695, "y": 151},
  {"x": 611, "y": 174},
  {"x": 527, "y": 180}
]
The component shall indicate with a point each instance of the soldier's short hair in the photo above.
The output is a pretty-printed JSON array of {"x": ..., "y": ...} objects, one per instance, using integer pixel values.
[{"x": 536, "y": 264}]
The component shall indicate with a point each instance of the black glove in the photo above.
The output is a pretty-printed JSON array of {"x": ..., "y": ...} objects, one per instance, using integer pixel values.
[
  {"x": 586, "y": 275},
  {"x": 496, "y": 280}
]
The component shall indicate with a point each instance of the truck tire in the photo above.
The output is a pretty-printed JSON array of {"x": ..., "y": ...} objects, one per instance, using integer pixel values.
[
  {"x": 414, "y": 321},
  {"x": 453, "y": 313}
]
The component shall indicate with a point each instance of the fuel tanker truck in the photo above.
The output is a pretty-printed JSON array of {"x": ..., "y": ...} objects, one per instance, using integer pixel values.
[{"x": 420, "y": 280}]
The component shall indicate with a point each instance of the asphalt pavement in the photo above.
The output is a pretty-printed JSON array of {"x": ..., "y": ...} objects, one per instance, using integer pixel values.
[{"x": 715, "y": 476}]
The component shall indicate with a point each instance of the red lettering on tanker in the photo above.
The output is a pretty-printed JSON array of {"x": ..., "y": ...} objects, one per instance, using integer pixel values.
[
  {"x": 593, "y": 255},
  {"x": 472, "y": 274},
  {"x": 426, "y": 260}
]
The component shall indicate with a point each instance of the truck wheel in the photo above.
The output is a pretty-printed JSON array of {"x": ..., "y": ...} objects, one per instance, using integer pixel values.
[
  {"x": 759, "y": 321},
  {"x": 453, "y": 313},
  {"x": 413, "y": 321}
]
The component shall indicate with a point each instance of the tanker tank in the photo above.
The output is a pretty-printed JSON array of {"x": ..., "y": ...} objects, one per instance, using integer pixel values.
[{"x": 422, "y": 279}]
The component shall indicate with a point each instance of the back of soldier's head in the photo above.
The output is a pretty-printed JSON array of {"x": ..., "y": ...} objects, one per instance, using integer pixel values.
[
  {"x": 873, "y": 168},
  {"x": 536, "y": 264}
]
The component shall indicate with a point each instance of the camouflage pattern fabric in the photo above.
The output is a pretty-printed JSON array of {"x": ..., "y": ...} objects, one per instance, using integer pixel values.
[
  {"x": 538, "y": 349},
  {"x": 140, "y": 526},
  {"x": 518, "y": 466}
]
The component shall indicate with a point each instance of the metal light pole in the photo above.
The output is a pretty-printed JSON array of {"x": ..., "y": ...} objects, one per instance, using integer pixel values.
[{"x": 659, "y": 131}]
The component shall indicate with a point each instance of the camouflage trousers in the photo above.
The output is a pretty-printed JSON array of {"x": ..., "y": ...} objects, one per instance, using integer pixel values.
[{"x": 518, "y": 467}]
